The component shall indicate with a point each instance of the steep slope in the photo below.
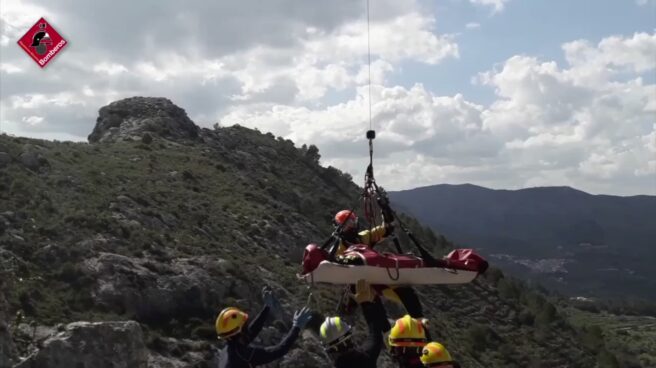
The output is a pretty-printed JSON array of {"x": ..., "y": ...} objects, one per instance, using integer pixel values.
[
  {"x": 166, "y": 228},
  {"x": 568, "y": 239}
]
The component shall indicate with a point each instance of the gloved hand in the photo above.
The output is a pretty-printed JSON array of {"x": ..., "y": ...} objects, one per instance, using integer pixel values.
[
  {"x": 302, "y": 317},
  {"x": 271, "y": 301},
  {"x": 363, "y": 292},
  {"x": 267, "y": 296}
]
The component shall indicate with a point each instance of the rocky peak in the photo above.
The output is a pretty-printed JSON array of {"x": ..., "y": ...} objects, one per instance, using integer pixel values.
[{"x": 135, "y": 116}]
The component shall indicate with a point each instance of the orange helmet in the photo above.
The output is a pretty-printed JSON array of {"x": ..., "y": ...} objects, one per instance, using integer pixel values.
[
  {"x": 347, "y": 218},
  {"x": 230, "y": 322}
]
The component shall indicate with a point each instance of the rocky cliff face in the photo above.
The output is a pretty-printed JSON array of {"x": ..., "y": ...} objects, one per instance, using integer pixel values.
[
  {"x": 131, "y": 118},
  {"x": 167, "y": 230},
  {"x": 92, "y": 345},
  {"x": 153, "y": 290}
]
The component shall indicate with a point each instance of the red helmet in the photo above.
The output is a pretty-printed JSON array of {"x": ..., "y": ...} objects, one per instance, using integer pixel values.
[{"x": 347, "y": 218}]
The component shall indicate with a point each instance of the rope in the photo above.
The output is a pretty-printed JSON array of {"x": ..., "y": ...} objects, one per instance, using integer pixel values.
[
  {"x": 369, "y": 62},
  {"x": 398, "y": 272},
  {"x": 345, "y": 293},
  {"x": 369, "y": 175},
  {"x": 368, "y": 195},
  {"x": 428, "y": 259}
]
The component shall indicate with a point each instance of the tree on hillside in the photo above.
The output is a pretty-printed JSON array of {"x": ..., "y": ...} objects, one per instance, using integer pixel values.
[{"x": 312, "y": 153}]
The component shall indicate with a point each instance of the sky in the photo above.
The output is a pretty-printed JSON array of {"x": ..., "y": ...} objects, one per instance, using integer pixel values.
[{"x": 505, "y": 94}]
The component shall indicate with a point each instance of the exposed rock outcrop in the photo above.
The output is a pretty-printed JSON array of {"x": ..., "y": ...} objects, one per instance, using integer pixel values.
[
  {"x": 131, "y": 118},
  {"x": 6, "y": 345},
  {"x": 92, "y": 345},
  {"x": 154, "y": 291},
  {"x": 32, "y": 158}
]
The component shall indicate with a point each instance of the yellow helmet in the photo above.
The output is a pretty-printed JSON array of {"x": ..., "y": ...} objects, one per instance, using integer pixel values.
[
  {"x": 407, "y": 331},
  {"x": 435, "y": 355},
  {"x": 230, "y": 322}
]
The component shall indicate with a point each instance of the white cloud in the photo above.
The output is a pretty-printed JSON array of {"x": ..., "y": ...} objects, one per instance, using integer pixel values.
[
  {"x": 335, "y": 60},
  {"x": 9, "y": 68},
  {"x": 589, "y": 113},
  {"x": 282, "y": 57},
  {"x": 33, "y": 120},
  {"x": 599, "y": 166},
  {"x": 109, "y": 68},
  {"x": 379, "y": 69},
  {"x": 650, "y": 140},
  {"x": 549, "y": 125},
  {"x": 405, "y": 36},
  {"x": 613, "y": 54},
  {"x": 473, "y": 25},
  {"x": 497, "y": 5},
  {"x": 87, "y": 91},
  {"x": 303, "y": 75},
  {"x": 17, "y": 17},
  {"x": 406, "y": 119},
  {"x": 35, "y": 101}
]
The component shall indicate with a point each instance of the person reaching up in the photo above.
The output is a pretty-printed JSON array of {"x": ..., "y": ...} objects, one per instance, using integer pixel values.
[
  {"x": 233, "y": 326},
  {"x": 336, "y": 334}
]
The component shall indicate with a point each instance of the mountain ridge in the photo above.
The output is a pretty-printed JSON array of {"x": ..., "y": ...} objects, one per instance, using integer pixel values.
[
  {"x": 546, "y": 187},
  {"x": 543, "y": 223}
]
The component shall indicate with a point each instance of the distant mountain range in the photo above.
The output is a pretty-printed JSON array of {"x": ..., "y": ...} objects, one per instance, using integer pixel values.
[{"x": 578, "y": 243}]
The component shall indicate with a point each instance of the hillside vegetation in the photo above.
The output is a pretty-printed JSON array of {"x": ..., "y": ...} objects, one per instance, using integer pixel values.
[{"x": 166, "y": 229}]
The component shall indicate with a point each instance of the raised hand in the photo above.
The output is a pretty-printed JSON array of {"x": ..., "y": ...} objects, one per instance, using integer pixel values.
[
  {"x": 272, "y": 302},
  {"x": 302, "y": 317},
  {"x": 267, "y": 296}
]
